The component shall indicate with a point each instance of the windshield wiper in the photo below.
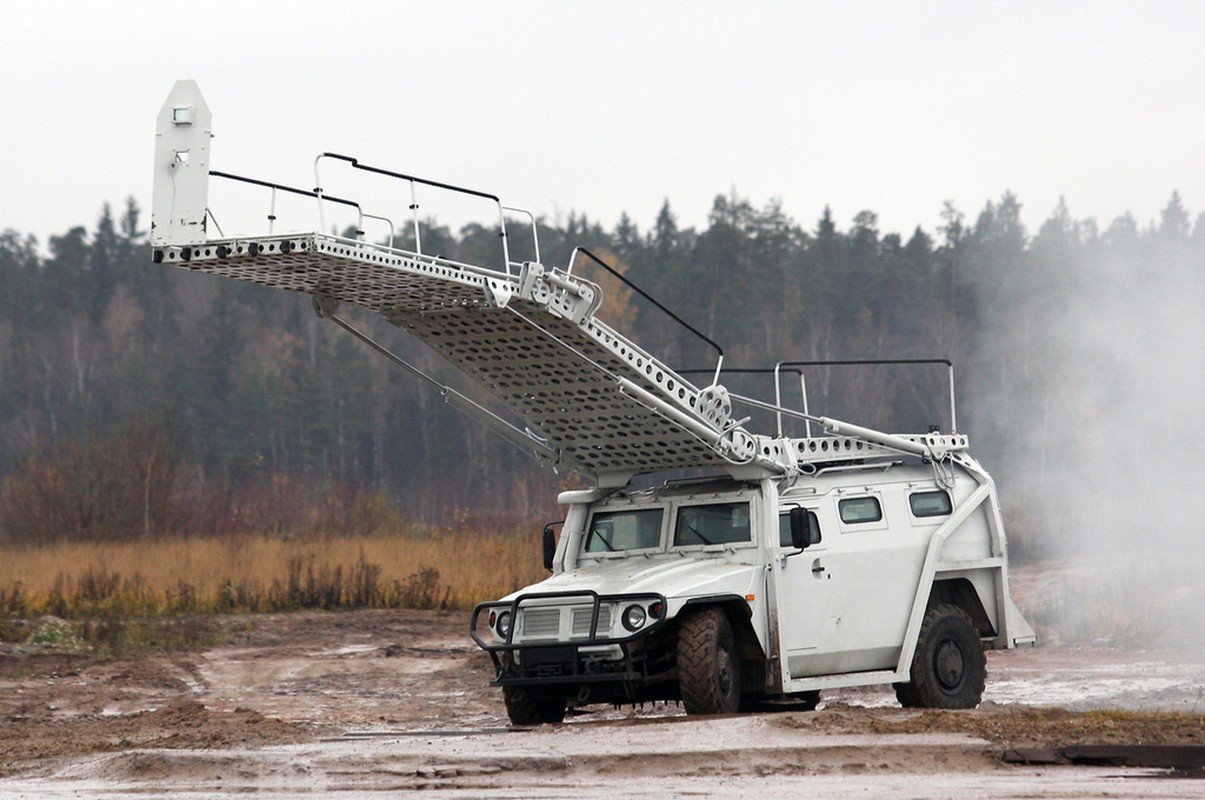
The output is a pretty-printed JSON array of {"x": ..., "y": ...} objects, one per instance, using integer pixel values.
[
  {"x": 700, "y": 536},
  {"x": 598, "y": 535}
]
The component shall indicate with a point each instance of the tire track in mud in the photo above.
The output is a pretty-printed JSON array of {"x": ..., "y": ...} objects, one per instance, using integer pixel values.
[{"x": 374, "y": 700}]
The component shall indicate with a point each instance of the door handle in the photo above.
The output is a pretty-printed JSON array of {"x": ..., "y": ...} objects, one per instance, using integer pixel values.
[{"x": 816, "y": 568}]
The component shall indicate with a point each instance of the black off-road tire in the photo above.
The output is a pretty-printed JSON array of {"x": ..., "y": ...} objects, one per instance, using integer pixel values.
[
  {"x": 527, "y": 706},
  {"x": 709, "y": 668},
  {"x": 808, "y": 700},
  {"x": 906, "y": 695},
  {"x": 749, "y": 703},
  {"x": 949, "y": 669},
  {"x": 799, "y": 701}
]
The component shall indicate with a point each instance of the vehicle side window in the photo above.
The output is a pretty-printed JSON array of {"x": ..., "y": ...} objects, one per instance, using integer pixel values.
[
  {"x": 784, "y": 528},
  {"x": 624, "y": 530},
  {"x": 713, "y": 524},
  {"x": 860, "y": 509},
  {"x": 930, "y": 504}
]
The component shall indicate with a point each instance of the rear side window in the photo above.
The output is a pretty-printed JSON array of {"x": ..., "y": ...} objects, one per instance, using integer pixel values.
[
  {"x": 624, "y": 530},
  {"x": 930, "y": 504},
  {"x": 715, "y": 524},
  {"x": 860, "y": 509}
]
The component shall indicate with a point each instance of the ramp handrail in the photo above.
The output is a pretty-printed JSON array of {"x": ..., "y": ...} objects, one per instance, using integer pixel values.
[
  {"x": 280, "y": 187},
  {"x": 415, "y": 181},
  {"x": 857, "y": 362},
  {"x": 795, "y": 367},
  {"x": 619, "y": 276}
]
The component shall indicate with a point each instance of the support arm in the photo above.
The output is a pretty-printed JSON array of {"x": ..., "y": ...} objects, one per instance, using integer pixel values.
[{"x": 524, "y": 439}]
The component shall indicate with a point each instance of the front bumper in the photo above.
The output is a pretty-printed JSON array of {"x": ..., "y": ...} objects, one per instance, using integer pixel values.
[{"x": 572, "y": 637}]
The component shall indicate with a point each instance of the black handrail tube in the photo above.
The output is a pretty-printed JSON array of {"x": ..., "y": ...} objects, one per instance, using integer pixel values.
[
  {"x": 651, "y": 299},
  {"x": 866, "y": 361},
  {"x": 737, "y": 371},
  {"x": 839, "y": 362},
  {"x": 357, "y": 165},
  {"x": 283, "y": 188},
  {"x": 794, "y": 368}
]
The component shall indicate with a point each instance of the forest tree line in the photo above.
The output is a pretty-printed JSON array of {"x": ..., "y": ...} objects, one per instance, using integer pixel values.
[{"x": 142, "y": 400}]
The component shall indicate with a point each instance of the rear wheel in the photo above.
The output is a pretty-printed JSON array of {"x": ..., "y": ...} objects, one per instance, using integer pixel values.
[
  {"x": 906, "y": 695},
  {"x": 949, "y": 669},
  {"x": 709, "y": 675}
]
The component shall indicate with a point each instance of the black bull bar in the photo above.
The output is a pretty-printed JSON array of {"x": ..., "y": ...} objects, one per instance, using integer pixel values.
[{"x": 558, "y": 660}]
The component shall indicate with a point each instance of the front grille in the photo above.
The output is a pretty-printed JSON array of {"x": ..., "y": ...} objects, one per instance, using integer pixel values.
[
  {"x": 580, "y": 625},
  {"x": 546, "y": 623},
  {"x": 540, "y": 623},
  {"x": 581, "y": 622}
]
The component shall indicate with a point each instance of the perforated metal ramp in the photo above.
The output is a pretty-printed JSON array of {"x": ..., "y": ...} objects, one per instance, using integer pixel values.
[
  {"x": 592, "y": 400},
  {"x": 530, "y": 339}
]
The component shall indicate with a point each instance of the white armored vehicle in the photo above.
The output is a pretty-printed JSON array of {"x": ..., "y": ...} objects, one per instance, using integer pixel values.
[{"x": 791, "y": 565}]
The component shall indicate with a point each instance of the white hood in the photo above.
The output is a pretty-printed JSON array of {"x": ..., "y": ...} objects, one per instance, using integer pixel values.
[{"x": 672, "y": 576}]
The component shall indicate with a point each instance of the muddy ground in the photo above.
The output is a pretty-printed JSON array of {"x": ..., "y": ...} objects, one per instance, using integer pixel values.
[{"x": 398, "y": 701}]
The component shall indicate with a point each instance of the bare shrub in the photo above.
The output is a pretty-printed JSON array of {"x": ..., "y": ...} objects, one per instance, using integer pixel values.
[
  {"x": 365, "y": 585},
  {"x": 14, "y": 602},
  {"x": 119, "y": 485},
  {"x": 423, "y": 590}
]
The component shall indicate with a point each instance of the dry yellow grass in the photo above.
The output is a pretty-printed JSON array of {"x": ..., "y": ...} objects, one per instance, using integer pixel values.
[{"x": 471, "y": 566}]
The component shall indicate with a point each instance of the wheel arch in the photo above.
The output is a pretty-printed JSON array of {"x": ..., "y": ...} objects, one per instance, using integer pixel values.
[
  {"x": 740, "y": 617},
  {"x": 961, "y": 592}
]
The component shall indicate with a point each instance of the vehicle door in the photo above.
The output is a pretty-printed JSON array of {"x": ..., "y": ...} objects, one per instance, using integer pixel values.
[
  {"x": 875, "y": 560},
  {"x": 805, "y": 590}
]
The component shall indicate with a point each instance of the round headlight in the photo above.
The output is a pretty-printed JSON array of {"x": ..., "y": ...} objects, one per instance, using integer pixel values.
[
  {"x": 503, "y": 624},
  {"x": 634, "y": 617}
]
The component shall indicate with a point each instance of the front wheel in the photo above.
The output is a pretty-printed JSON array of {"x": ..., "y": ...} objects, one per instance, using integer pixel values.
[
  {"x": 808, "y": 701},
  {"x": 709, "y": 677},
  {"x": 949, "y": 669},
  {"x": 526, "y": 706}
]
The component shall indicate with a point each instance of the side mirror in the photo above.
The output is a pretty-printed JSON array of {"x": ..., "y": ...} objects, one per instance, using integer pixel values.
[
  {"x": 549, "y": 544},
  {"x": 805, "y": 528}
]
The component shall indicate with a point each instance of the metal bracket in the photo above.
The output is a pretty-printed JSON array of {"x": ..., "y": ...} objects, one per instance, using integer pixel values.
[
  {"x": 573, "y": 298},
  {"x": 325, "y": 307}
]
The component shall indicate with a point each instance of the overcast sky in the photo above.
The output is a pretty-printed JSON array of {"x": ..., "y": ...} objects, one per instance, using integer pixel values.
[{"x": 893, "y": 107}]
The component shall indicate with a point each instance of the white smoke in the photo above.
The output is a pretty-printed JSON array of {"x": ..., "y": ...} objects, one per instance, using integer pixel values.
[{"x": 1113, "y": 476}]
